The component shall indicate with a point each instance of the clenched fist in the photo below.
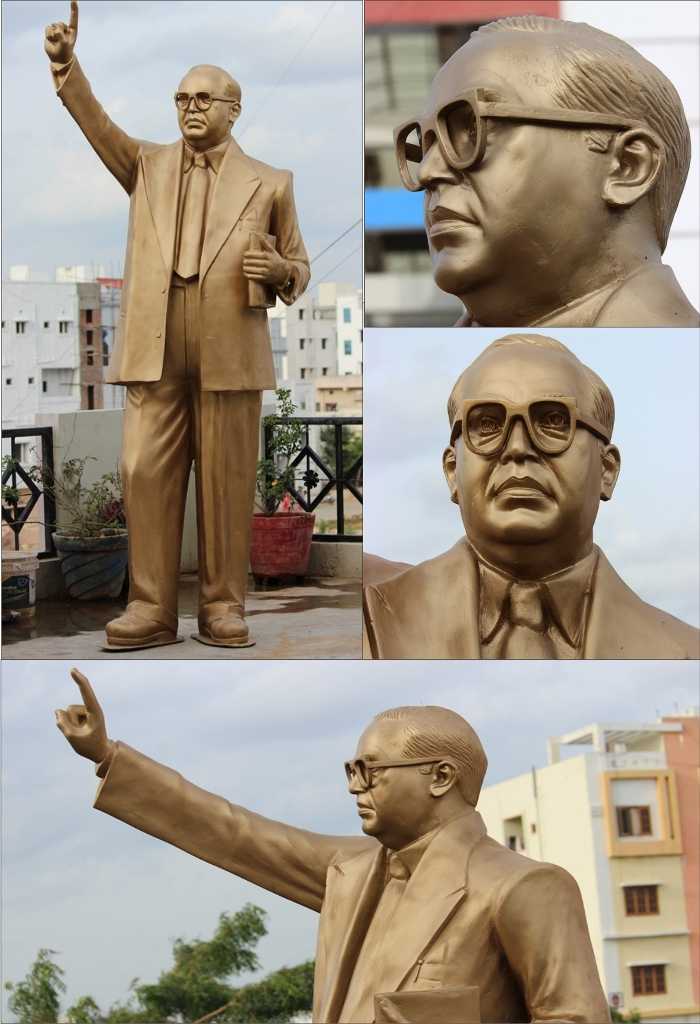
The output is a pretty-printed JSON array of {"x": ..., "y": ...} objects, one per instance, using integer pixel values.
[
  {"x": 59, "y": 41},
  {"x": 83, "y": 725}
]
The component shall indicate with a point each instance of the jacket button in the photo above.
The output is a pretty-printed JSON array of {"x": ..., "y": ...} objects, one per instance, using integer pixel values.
[{"x": 158, "y": 334}]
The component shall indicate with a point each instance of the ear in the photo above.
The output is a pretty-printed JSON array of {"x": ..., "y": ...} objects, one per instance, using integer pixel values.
[
  {"x": 611, "y": 464},
  {"x": 234, "y": 112},
  {"x": 635, "y": 163},
  {"x": 444, "y": 778},
  {"x": 449, "y": 468}
]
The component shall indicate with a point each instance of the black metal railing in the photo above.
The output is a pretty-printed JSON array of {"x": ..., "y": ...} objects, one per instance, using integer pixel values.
[
  {"x": 17, "y": 515},
  {"x": 306, "y": 491}
]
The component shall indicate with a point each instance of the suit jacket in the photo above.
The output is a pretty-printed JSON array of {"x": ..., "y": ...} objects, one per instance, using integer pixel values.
[
  {"x": 432, "y": 611},
  {"x": 473, "y": 913},
  {"x": 235, "y": 341},
  {"x": 649, "y": 297}
]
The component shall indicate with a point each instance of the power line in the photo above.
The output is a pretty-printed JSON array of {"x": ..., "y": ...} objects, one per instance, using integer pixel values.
[
  {"x": 333, "y": 269},
  {"x": 346, "y": 232},
  {"x": 281, "y": 78}
]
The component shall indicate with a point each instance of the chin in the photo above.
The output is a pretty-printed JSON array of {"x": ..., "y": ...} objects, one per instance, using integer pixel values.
[
  {"x": 522, "y": 526},
  {"x": 456, "y": 273}
]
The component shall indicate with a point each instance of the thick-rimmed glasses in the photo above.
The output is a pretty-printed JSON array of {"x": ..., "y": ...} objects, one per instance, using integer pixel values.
[
  {"x": 202, "y": 100},
  {"x": 461, "y": 133},
  {"x": 360, "y": 772},
  {"x": 551, "y": 423}
]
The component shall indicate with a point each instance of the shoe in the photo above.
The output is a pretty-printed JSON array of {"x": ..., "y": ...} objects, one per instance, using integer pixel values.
[
  {"x": 134, "y": 630},
  {"x": 225, "y": 631}
]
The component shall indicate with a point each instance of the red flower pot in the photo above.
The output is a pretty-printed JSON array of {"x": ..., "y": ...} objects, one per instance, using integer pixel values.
[{"x": 281, "y": 543}]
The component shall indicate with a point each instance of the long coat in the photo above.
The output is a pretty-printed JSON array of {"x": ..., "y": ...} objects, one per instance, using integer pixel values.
[
  {"x": 236, "y": 354},
  {"x": 431, "y": 610},
  {"x": 473, "y": 915}
]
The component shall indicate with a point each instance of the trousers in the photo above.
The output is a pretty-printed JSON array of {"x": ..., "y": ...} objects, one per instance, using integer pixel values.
[{"x": 168, "y": 424}]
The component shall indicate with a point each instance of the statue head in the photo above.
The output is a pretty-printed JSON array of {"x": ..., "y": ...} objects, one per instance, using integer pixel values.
[
  {"x": 414, "y": 769},
  {"x": 530, "y": 456},
  {"x": 553, "y": 156},
  {"x": 208, "y": 102}
]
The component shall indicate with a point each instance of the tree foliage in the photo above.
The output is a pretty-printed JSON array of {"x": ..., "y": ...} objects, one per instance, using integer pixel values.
[
  {"x": 36, "y": 1000},
  {"x": 276, "y": 998}
]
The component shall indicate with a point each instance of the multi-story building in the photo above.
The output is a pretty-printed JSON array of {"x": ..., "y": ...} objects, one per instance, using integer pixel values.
[
  {"x": 622, "y": 817},
  {"x": 324, "y": 335}
]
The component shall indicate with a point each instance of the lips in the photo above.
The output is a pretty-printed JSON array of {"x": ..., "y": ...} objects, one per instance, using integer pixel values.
[
  {"x": 521, "y": 484},
  {"x": 442, "y": 219}
]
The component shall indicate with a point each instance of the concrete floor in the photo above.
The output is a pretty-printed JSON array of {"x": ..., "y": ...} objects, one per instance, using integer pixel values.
[{"x": 320, "y": 619}]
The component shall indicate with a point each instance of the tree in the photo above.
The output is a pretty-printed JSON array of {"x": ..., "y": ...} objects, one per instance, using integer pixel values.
[
  {"x": 352, "y": 446},
  {"x": 36, "y": 1000},
  {"x": 276, "y": 998},
  {"x": 85, "y": 1011}
]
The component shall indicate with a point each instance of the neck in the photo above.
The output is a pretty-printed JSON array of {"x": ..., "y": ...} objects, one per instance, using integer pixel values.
[
  {"x": 522, "y": 299},
  {"x": 530, "y": 561}
]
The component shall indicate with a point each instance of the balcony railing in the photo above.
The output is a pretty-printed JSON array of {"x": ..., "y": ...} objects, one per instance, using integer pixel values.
[
  {"x": 18, "y": 516},
  {"x": 309, "y": 490}
]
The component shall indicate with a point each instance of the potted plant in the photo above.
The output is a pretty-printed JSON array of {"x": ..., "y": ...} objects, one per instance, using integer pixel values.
[
  {"x": 92, "y": 540},
  {"x": 282, "y": 532}
]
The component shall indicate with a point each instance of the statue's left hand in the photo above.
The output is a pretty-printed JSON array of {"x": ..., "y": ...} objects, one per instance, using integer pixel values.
[
  {"x": 265, "y": 265},
  {"x": 59, "y": 41}
]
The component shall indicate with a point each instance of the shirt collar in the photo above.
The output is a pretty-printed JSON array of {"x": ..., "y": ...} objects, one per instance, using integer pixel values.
[
  {"x": 214, "y": 156},
  {"x": 410, "y": 856},
  {"x": 563, "y": 597}
]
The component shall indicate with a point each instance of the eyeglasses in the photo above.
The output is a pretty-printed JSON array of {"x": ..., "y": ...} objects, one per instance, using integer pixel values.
[
  {"x": 361, "y": 772},
  {"x": 202, "y": 100},
  {"x": 551, "y": 424},
  {"x": 461, "y": 132}
]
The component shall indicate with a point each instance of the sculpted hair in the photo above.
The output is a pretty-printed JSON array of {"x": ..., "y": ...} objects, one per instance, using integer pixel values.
[
  {"x": 598, "y": 72},
  {"x": 602, "y": 402},
  {"x": 230, "y": 85},
  {"x": 432, "y": 730}
]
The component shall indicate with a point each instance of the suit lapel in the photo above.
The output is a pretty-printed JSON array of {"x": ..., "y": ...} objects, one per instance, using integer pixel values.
[
  {"x": 162, "y": 172},
  {"x": 235, "y": 185},
  {"x": 352, "y": 893},
  {"x": 434, "y": 892}
]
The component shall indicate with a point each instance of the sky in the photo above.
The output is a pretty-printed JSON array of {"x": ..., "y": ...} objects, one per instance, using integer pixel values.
[
  {"x": 649, "y": 530},
  {"x": 271, "y": 736},
  {"x": 300, "y": 68}
]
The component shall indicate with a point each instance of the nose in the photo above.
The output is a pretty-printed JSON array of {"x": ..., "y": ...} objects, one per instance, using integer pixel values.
[
  {"x": 192, "y": 102},
  {"x": 354, "y": 785},
  {"x": 518, "y": 444},
  {"x": 433, "y": 167}
]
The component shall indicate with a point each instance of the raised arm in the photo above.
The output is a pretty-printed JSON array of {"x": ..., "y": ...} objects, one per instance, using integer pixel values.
[
  {"x": 288, "y": 861},
  {"x": 117, "y": 150}
]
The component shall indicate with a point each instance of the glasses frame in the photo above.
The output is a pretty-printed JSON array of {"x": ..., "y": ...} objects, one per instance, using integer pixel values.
[
  {"x": 482, "y": 109},
  {"x": 522, "y": 411},
  {"x": 351, "y": 769},
  {"x": 193, "y": 96}
]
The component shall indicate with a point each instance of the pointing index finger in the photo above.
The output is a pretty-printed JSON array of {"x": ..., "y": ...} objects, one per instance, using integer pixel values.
[
  {"x": 74, "y": 19},
  {"x": 88, "y": 695}
]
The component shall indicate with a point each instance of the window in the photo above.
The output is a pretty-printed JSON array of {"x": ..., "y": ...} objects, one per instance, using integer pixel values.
[
  {"x": 44, "y": 386},
  {"x": 91, "y": 396},
  {"x": 88, "y": 337},
  {"x": 63, "y": 327},
  {"x": 649, "y": 980},
  {"x": 512, "y": 842},
  {"x": 302, "y": 373},
  {"x": 8, "y": 380},
  {"x": 633, "y": 821},
  {"x": 324, "y": 371},
  {"x": 30, "y": 380},
  {"x": 347, "y": 348},
  {"x": 331, "y": 406},
  {"x": 90, "y": 359},
  {"x": 301, "y": 344},
  {"x": 324, "y": 341},
  {"x": 347, "y": 315},
  {"x": 641, "y": 899},
  {"x": 3, "y": 325},
  {"x": 301, "y": 314},
  {"x": 88, "y": 316},
  {"x": 105, "y": 354},
  {"x": 46, "y": 325},
  {"x": 20, "y": 326}
]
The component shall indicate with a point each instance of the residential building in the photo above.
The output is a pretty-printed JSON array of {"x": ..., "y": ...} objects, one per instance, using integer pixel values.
[
  {"x": 622, "y": 817},
  {"x": 341, "y": 395}
]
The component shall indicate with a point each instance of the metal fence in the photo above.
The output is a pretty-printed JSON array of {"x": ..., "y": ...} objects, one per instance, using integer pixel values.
[
  {"x": 308, "y": 490},
  {"x": 15, "y": 514}
]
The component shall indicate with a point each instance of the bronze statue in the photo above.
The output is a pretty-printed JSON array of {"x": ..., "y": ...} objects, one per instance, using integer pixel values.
[
  {"x": 528, "y": 461},
  {"x": 424, "y": 919},
  {"x": 209, "y": 230},
  {"x": 553, "y": 157}
]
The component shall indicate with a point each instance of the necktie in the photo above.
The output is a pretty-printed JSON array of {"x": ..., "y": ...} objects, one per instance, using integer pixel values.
[
  {"x": 193, "y": 217},
  {"x": 527, "y": 636}
]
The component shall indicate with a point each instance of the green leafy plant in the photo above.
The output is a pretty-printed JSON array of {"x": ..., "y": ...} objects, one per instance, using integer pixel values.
[
  {"x": 10, "y": 493},
  {"x": 633, "y": 1017},
  {"x": 94, "y": 510},
  {"x": 36, "y": 999},
  {"x": 275, "y": 474}
]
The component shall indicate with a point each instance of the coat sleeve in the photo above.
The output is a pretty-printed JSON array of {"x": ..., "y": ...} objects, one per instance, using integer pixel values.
[
  {"x": 288, "y": 861},
  {"x": 541, "y": 924},
  {"x": 290, "y": 245},
  {"x": 117, "y": 150}
]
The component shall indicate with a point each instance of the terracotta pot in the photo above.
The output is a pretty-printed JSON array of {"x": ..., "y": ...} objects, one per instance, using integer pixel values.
[
  {"x": 93, "y": 567},
  {"x": 281, "y": 543}
]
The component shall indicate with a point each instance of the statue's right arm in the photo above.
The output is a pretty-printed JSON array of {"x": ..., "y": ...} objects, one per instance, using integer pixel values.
[
  {"x": 286, "y": 860},
  {"x": 117, "y": 150}
]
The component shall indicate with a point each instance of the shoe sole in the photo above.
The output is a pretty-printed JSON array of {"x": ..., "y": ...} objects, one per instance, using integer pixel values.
[
  {"x": 156, "y": 640},
  {"x": 202, "y": 638}
]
